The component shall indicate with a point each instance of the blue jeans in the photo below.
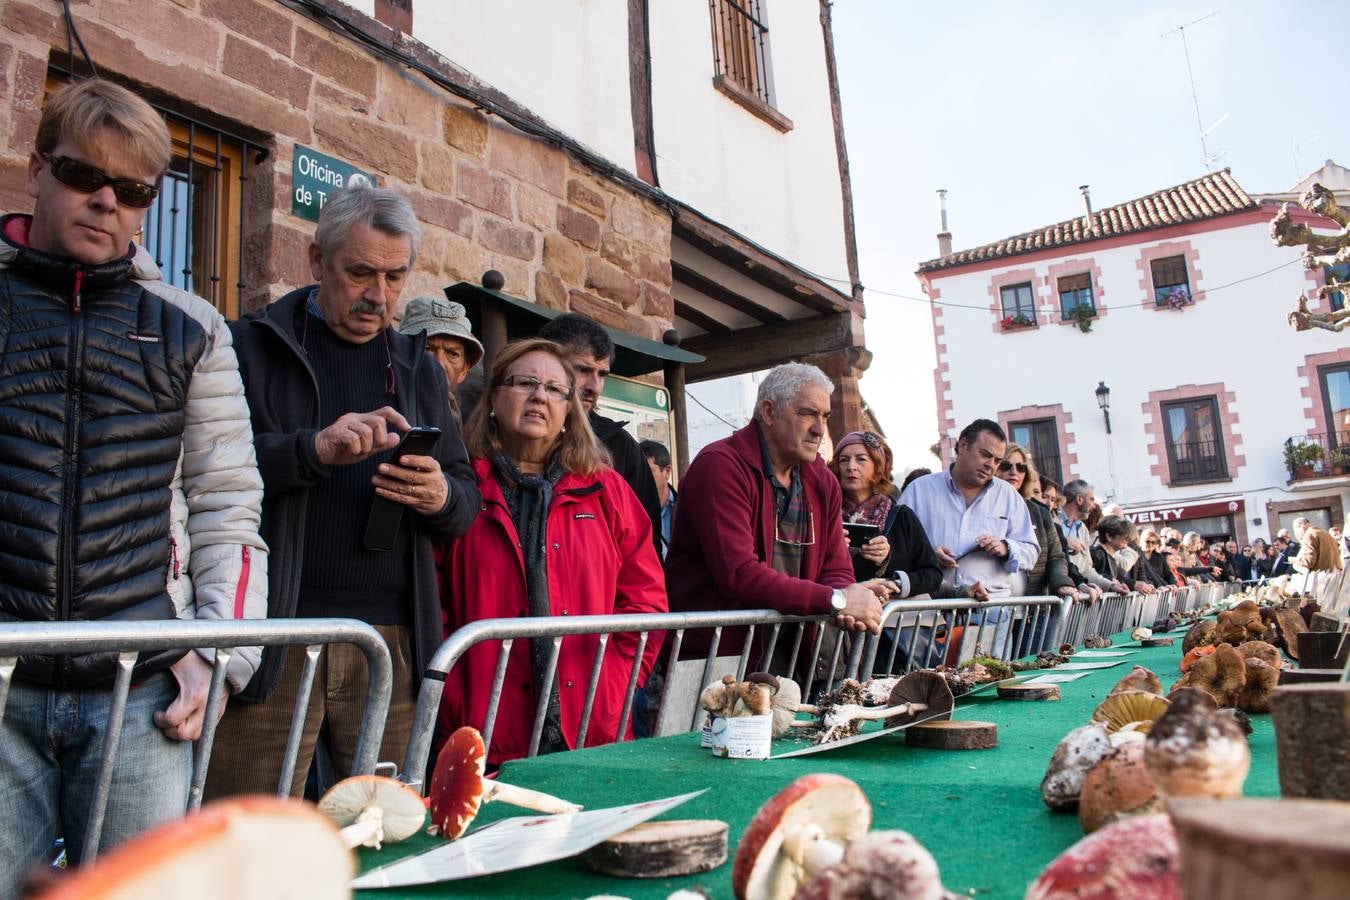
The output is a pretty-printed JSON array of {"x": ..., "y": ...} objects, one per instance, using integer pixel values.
[{"x": 50, "y": 745}]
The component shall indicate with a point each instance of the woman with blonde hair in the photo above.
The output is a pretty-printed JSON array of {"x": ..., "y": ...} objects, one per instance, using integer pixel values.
[{"x": 560, "y": 533}]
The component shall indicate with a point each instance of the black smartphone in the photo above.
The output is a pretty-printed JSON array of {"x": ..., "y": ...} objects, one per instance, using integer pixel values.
[
  {"x": 385, "y": 515},
  {"x": 859, "y": 533}
]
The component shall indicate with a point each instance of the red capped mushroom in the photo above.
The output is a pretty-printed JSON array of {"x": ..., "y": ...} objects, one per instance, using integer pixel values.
[
  {"x": 796, "y": 834},
  {"x": 459, "y": 788},
  {"x": 244, "y": 848},
  {"x": 372, "y": 810},
  {"x": 1128, "y": 860}
]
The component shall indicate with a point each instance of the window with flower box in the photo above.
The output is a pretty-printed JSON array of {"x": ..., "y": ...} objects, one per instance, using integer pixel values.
[
  {"x": 1075, "y": 291},
  {"x": 1019, "y": 303},
  {"x": 1171, "y": 281}
]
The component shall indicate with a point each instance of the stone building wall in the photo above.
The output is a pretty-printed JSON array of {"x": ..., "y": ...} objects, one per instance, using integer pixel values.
[{"x": 489, "y": 195}]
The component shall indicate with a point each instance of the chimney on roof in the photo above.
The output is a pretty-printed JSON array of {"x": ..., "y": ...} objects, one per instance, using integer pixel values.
[
  {"x": 944, "y": 236},
  {"x": 1087, "y": 198}
]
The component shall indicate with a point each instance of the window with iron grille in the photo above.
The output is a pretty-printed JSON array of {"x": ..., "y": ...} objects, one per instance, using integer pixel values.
[
  {"x": 1075, "y": 291},
  {"x": 741, "y": 46},
  {"x": 1169, "y": 276},
  {"x": 1019, "y": 301},
  {"x": 1194, "y": 440},
  {"x": 194, "y": 229},
  {"x": 1040, "y": 437}
]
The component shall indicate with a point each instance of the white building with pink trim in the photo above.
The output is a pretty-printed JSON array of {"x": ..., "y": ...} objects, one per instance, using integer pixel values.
[{"x": 1172, "y": 305}]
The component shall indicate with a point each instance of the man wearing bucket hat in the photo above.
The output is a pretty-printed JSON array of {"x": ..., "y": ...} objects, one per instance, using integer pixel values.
[{"x": 450, "y": 339}]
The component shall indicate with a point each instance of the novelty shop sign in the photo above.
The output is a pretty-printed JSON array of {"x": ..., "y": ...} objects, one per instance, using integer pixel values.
[{"x": 1166, "y": 515}]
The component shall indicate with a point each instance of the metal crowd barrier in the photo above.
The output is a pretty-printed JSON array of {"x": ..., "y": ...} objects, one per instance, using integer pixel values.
[
  {"x": 129, "y": 639},
  {"x": 556, "y": 628}
]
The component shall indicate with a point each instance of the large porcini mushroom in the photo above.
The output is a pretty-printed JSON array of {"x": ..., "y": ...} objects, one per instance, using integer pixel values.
[
  {"x": 1267, "y": 653},
  {"x": 797, "y": 833},
  {"x": 1139, "y": 679},
  {"x": 889, "y": 864},
  {"x": 1192, "y": 751},
  {"x": 1134, "y": 859},
  {"x": 458, "y": 787},
  {"x": 1073, "y": 758},
  {"x": 1222, "y": 674},
  {"x": 244, "y": 848},
  {"x": 1119, "y": 785},
  {"x": 1241, "y": 623},
  {"x": 784, "y": 705},
  {"x": 755, "y": 695},
  {"x": 372, "y": 810}
]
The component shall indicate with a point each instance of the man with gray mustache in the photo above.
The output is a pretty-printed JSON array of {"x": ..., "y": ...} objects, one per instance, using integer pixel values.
[{"x": 332, "y": 386}]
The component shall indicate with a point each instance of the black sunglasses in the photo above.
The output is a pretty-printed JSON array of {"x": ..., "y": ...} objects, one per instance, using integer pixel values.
[
  {"x": 86, "y": 179},
  {"x": 1005, "y": 465}
]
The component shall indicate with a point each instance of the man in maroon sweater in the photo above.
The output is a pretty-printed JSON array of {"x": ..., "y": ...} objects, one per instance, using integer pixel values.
[{"x": 759, "y": 524}]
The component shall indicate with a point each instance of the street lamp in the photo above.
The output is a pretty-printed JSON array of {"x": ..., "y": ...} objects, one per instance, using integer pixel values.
[{"x": 1104, "y": 403}]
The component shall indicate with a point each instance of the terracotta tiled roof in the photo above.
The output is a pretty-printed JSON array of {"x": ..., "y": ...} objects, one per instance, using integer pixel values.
[{"x": 1211, "y": 196}]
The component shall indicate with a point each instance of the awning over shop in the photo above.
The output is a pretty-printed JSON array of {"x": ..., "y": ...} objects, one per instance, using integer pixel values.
[{"x": 633, "y": 355}]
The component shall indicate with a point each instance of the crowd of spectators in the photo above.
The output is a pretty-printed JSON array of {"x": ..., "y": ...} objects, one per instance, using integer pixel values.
[{"x": 259, "y": 446}]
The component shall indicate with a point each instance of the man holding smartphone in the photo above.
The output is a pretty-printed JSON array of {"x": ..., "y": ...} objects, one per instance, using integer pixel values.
[{"x": 332, "y": 387}]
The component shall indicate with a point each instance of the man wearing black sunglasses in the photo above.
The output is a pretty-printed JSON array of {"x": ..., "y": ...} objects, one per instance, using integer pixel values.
[{"x": 130, "y": 489}]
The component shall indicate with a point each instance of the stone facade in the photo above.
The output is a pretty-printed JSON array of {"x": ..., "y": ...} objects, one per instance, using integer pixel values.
[{"x": 490, "y": 196}]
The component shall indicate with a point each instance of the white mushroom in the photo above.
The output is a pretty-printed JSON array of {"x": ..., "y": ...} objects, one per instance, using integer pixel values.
[
  {"x": 372, "y": 810},
  {"x": 797, "y": 833}
]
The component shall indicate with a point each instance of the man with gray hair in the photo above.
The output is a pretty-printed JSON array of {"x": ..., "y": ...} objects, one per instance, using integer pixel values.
[
  {"x": 1317, "y": 550},
  {"x": 331, "y": 386},
  {"x": 760, "y": 521}
]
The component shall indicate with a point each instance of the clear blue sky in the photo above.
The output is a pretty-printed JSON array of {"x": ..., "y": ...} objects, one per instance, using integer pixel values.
[{"x": 1011, "y": 105}]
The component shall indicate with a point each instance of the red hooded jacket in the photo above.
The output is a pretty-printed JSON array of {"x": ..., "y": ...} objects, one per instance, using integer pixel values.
[
  {"x": 722, "y": 540},
  {"x": 600, "y": 559}
]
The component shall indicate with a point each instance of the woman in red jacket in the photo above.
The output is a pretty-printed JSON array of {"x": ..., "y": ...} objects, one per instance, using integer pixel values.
[{"x": 559, "y": 533}]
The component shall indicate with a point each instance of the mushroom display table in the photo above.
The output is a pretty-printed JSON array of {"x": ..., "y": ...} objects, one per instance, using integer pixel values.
[{"x": 978, "y": 811}]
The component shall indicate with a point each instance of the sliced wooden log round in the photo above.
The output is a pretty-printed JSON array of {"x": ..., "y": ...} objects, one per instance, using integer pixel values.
[
  {"x": 953, "y": 735},
  {"x": 1028, "y": 692},
  {"x": 662, "y": 849},
  {"x": 1272, "y": 849},
  {"x": 1158, "y": 642},
  {"x": 927, "y": 689},
  {"x": 1312, "y": 740}
]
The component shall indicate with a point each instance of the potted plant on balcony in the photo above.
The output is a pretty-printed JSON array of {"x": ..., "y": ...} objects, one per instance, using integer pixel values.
[
  {"x": 1012, "y": 323},
  {"x": 1300, "y": 457},
  {"x": 1082, "y": 316},
  {"x": 1340, "y": 460}
]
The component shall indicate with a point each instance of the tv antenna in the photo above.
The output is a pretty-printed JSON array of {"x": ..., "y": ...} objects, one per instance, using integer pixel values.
[
  {"x": 1199, "y": 123},
  {"x": 1294, "y": 147}
]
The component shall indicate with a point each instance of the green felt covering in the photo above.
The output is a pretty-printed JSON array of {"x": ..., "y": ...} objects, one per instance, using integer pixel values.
[{"x": 978, "y": 811}]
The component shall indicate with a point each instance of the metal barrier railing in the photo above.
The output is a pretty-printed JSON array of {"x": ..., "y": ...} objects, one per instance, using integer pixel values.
[
  {"x": 129, "y": 639},
  {"x": 674, "y": 625}
]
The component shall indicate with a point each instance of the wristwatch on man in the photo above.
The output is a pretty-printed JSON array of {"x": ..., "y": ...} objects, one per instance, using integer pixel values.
[{"x": 837, "y": 601}]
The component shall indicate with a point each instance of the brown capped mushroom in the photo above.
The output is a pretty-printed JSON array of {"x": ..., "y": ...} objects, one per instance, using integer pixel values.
[
  {"x": 1139, "y": 679},
  {"x": 372, "y": 810},
  {"x": 1192, "y": 751},
  {"x": 890, "y": 864},
  {"x": 1262, "y": 679},
  {"x": 1200, "y": 634},
  {"x": 719, "y": 698},
  {"x": 798, "y": 832},
  {"x": 785, "y": 703},
  {"x": 1263, "y": 651},
  {"x": 1119, "y": 785},
  {"x": 243, "y": 848},
  {"x": 1222, "y": 674},
  {"x": 755, "y": 695},
  {"x": 458, "y": 788}
]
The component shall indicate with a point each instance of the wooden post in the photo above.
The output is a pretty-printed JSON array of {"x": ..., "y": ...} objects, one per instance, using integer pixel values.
[
  {"x": 1312, "y": 739},
  {"x": 1272, "y": 849},
  {"x": 674, "y": 373},
  {"x": 494, "y": 332}
]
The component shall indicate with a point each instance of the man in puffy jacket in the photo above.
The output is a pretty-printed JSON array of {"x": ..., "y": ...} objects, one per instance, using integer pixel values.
[{"x": 128, "y": 486}]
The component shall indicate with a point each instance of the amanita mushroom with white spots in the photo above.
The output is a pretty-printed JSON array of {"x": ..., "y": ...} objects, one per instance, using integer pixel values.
[
  {"x": 459, "y": 788},
  {"x": 796, "y": 834},
  {"x": 372, "y": 810}
]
